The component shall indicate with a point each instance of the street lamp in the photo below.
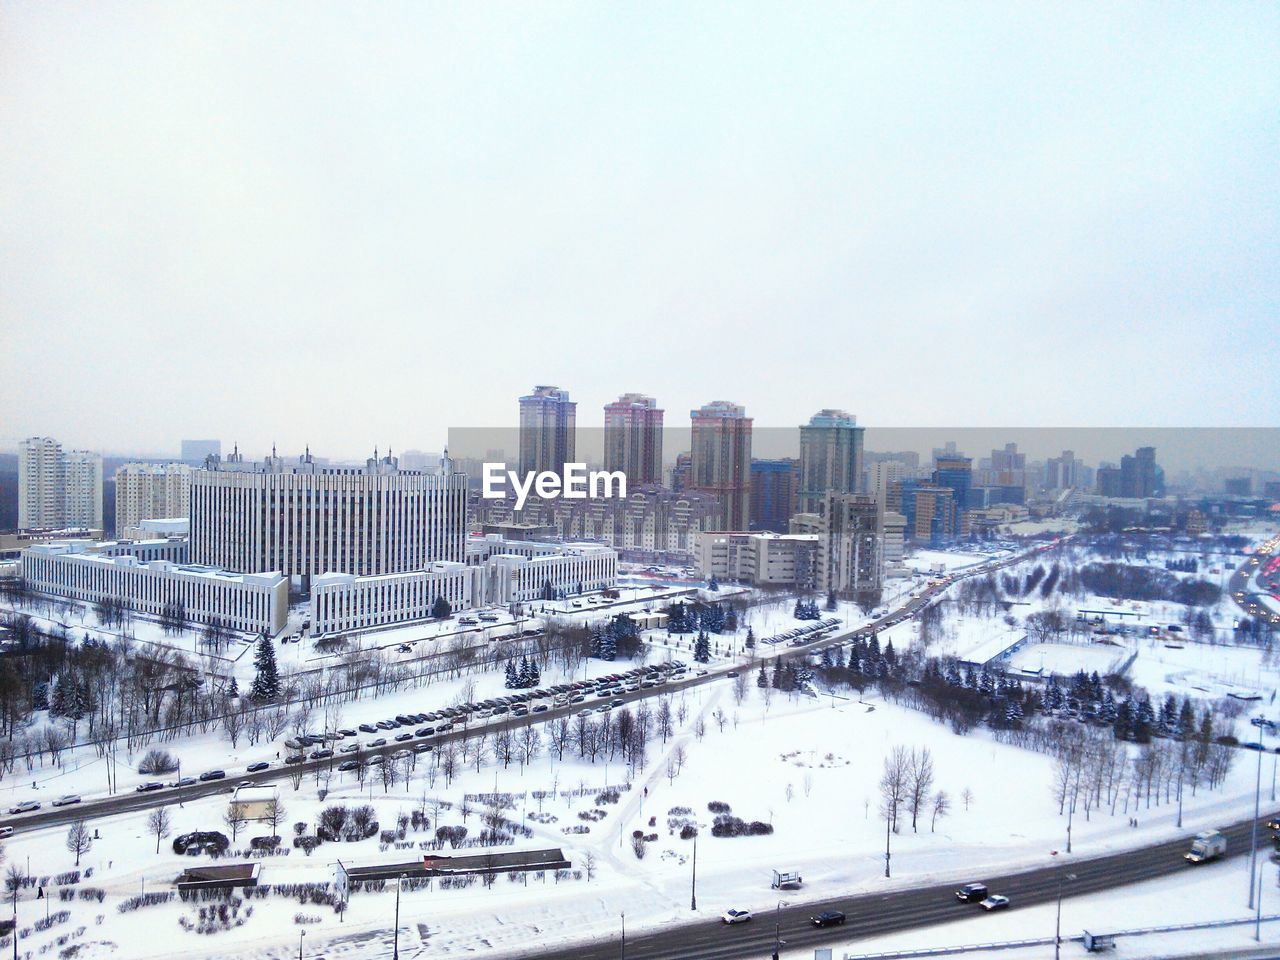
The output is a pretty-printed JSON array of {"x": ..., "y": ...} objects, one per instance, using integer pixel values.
[
  {"x": 777, "y": 928},
  {"x": 693, "y": 884},
  {"x": 395, "y": 950},
  {"x": 623, "y": 945},
  {"x": 301, "y": 934},
  {"x": 1253, "y": 833},
  {"x": 1057, "y": 924}
]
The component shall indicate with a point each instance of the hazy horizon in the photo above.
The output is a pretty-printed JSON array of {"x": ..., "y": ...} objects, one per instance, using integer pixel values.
[{"x": 354, "y": 225}]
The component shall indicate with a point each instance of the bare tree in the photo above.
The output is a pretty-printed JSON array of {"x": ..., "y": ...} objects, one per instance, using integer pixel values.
[
  {"x": 966, "y": 796},
  {"x": 158, "y": 823},
  {"x": 893, "y": 783},
  {"x": 941, "y": 807},
  {"x": 79, "y": 839},
  {"x": 589, "y": 865},
  {"x": 275, "y": 814},
  {"x": 919, "y": 782}
]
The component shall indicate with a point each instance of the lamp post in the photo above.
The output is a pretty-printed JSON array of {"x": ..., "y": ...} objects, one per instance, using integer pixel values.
[
  {"x": 1057, "y": 924},
  {"x": 395, "y": 949},
  {"x": 301, "y": 934},
  {"x": 1253, "y": 832},
  {"x": 888, "y": 821},
  {"x": 693, "y": 885},
  {"x": 623, "y": 943},
  {"x": 777, "y": 928}
]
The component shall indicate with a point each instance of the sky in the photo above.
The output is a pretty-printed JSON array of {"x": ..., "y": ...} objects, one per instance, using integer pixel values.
[{"x": 349, "y": 224}]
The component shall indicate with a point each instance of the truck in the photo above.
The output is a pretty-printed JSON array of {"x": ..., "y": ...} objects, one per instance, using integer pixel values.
[{"x": 1209, "y": 845}]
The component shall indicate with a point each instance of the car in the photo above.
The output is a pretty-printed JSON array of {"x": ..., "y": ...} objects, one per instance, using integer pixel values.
[
  {"x": 380, "y": 742},
  {"x": 183, "y": 782},
  {"x": 347, "y": 732},
  {"x": 324, "y": 754},
  {"x": 212, "y": 775},
  {"x": 26, "y": 806},
  {"x": 617, "y": 702},
  {"x": 376, "y": 760},
  {"x": 735, "y": 916},
  {"x": 368, "y": 728},
  {"x": 294, "y": 758},
  {"x": 421, "y": 747},
  {"x": 149, "y": 786},
  {"x": 66, "y": 800},
  {"x": 827, "y": 918},
  {"x": 424, "y": 731},
  {"x": 346, "y": 765},
  {"x": 349, "y": 748},
  {"x": 255, "y": 767},
  {"x": 402, "y": 737},
  {"x": 6, "y": 833},
  {"x": 995, "y": 902},
  {"x": 540, "y": 708},
  {"x": 732, "y": 673},
  {"x": 972, "y": 893},
  {"x": 405, "y": 720}
]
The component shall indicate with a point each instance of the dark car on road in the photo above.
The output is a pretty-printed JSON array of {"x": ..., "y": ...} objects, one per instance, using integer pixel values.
[
  {"x": 324, "y": 754},
  {"x": 972, "y": 893},
  {"x": 827, "y": 918},
  {"x": 255, "y": 767},
  {"x": 212, "y": 775},
  {"x": 149, "y": 786}
]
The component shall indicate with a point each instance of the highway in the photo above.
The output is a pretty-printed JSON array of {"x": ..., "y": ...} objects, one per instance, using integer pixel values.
[
  {"x": 1245, "y": 598},
  {"x": 92, "y": 808},
  {"x": 875, "y": 914}
]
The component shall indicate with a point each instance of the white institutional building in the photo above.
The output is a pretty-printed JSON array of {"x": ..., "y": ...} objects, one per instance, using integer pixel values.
[
  {"x": 58, "y": 489},
  {"x": 370, "y": 546},
  {"x": 305, "y": 519}
]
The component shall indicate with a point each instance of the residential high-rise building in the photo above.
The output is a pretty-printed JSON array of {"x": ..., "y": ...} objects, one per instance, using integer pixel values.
[
  {"x": 830, "y": 457},
  {"x": 682, "y": 472},
  {"x": 1008, "y": 467},
  {"x": 774, "y": 488},
  {"x": 882, "y": 473},
  {"x": 1138, "y": 476},
  {"x": 547, "y": 430},
  {"x": 851, "y": 547},
  {"x": 633, "y": 438},
  {"x": 956, "y": 473},
  {"x": 1063, "y": 472},
  {"x": 196, "y": 451},
  {"x": 721, "y": 460},
  {"x": 931, "y": 512},
  {"x": 151, "y": 491},
  {"x": 58, "y": 489},
  {"x": 304, "y": 520}
]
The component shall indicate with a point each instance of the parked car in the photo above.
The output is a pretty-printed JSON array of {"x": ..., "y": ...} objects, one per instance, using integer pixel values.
[
  {"x": 149, "y": 786},
  {"x": 380, "y": 742},
  {"x": 735, "y": 916},
  {"x": 972, "y": 893},
  {"x": 212, "y": 775},
  {"x": 255, "y": 767},
  {"x": 827, "y": 918},
  {"x": 324, "y": 754},
  {"x": 26, "y": 806},
  {"x": 67, "y": 800},
  {"x": 421, "y": 747},
  {"x": 349, "y": 748},
  {"x": 6, "y": 833},
  {"x": 368, "y": 728},
  {"x": 346, "y": 765},
  {"x": 294, "y": 758},
  {"x": 183, "y": 782},
  {"x": 995, "y": 902}
]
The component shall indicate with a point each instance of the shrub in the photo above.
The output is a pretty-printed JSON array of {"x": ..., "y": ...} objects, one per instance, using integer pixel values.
[
  {"x": 157, "y": 761},
  {"x": 718, "y": 806}
]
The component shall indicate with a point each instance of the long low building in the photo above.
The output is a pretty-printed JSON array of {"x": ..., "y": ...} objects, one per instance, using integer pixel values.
[
  {"x": 758, "y": 558},
  {"x": 87, "y": 572}
]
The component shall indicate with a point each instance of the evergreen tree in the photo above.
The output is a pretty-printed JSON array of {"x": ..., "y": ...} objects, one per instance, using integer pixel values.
[
  {"x": 512, "y": 680},
  {"x": 714, "y": 585},
  {"x": 777, "y": 674},
  {"x": 831, "y": 600},
  {"x": 762, "y": 679},
  {"x": 827, "y": 662},
  {"x": 233, "y": 688},
  {"x": 837, "y": 657},
  {"x": 441, "y": 609},
  {"x": 751, "y": 639},
  {"x": 702, "y": 648},
  {"x": 266, "y": 683}
]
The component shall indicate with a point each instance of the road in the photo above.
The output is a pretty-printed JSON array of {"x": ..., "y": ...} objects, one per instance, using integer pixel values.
[
  {"x": 1246, "y": 599},
  {"x": 94, "y": 808},
  {"x": 875, "y": 914}
]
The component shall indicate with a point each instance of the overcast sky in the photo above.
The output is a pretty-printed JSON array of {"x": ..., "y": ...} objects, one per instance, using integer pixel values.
[{"x": 348, "y": 224}]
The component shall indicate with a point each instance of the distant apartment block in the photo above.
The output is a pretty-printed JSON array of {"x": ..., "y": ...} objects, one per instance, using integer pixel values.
[
  {"x": 760, "y": 559},
  {"x": 720, "y": 463},
  {"x": 775, "y": 487},
  {"x": 830, "y": 457},
  {"x": 151, "y": 491},
  {"x": 548, "y": 430},
  {"x": 1138, "y": 476},
  {"x": 851, "y": 551},
  {"x": 633, "y": 438},
  {"x": 58, "y": 489}
]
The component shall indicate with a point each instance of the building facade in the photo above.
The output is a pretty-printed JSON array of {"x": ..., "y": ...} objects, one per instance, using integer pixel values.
[
  {"x": 720, "y": 460},
  {"x": 775, "y": 488},
  {"x": 305, "y": 520},
  {"x": 249, "y": 602},
  {"x": 761, "y": 559},
  {"x": 151, "y": 491},
  {"x": 851, "y": 547},
  {"x": 830, "y": 457},
  {"x": 633, "y": 438},
  {"x": 548, "y": 430},
  {"x": 58, "y": 489}
]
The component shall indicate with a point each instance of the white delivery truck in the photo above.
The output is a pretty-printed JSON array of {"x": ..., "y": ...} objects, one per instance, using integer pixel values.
[{"x": 1209, "y": 845}]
